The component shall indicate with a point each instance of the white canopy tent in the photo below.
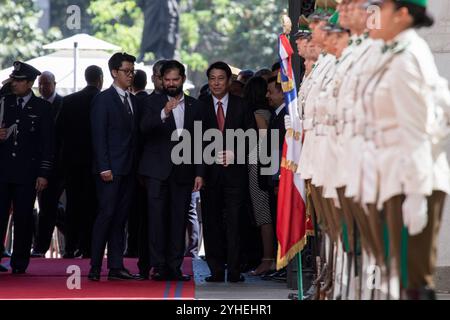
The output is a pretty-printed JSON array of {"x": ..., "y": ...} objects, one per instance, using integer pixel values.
[{"x": 91, "y": 51}]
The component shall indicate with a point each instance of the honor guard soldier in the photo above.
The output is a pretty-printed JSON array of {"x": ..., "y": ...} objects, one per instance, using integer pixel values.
[
  {"x": 408, "y": 103},
  {"x": 26, "y": 153}
]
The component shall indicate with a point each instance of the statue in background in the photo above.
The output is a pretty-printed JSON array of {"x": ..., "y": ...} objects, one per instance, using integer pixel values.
[{"x": 161, "y": 25}]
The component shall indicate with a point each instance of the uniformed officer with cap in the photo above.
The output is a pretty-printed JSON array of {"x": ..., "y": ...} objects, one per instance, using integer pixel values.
[{"x": 26, "y": 153}]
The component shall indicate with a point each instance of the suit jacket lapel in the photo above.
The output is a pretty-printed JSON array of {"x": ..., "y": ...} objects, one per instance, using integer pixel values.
[
  {"x": 118, "y": 100},
  {"x": 211, "y": 113},
  {"x": 230, "y": 113},
  {"x": 188, "y": 112},
  {"x": 171, "y": 119}
]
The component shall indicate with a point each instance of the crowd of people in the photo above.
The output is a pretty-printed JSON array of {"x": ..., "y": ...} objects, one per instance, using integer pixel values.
[
  {"x": 111, "y": 153},
  {"x": 374, "y": 115}
]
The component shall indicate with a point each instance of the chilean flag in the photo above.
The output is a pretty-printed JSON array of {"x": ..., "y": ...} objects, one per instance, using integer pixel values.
[{"x": 291, "y": 211}]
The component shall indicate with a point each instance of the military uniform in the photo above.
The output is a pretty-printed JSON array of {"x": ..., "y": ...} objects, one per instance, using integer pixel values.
[
  {"x": 25, "y": 155},
  {"x": 407, "y": 103}
]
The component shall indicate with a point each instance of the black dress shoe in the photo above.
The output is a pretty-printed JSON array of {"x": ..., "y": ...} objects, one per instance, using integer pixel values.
[
  {"x": 239, "y": 278},
  {"x": 68, "y": 255},
  {"x": 214, "y": 278},
  {"x": 424, "y": 293},
  {"x": 181, "y": 277},
  {"x": 18, "y": 271},
  {"x": 120, "y": 274},
  {"x": 159, "y": 276},
  {"x": 36, "y": 254},
  {"x": 94, "y": 274},
  {"x": 6, "y": 254},
  {"x": 141, "y": 276},
  {"x": 3, "y": 269}
]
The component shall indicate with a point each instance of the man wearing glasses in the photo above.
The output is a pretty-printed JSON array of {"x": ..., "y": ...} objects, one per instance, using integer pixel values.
[{"x": 114, "y": 139}]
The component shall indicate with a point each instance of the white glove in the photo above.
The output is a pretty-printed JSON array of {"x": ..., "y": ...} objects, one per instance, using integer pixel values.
[
  {"x": 287, "y": 122},
  {"x": 415, "y": 215}
]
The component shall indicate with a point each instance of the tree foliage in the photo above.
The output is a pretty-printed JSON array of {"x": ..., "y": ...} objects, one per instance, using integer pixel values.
[
  {"x": 21, "y": 39},
  {"x": 118, "y": 22},
  {"x": 241, "y": 32}
]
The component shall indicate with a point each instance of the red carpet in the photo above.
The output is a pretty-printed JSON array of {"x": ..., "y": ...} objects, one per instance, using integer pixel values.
[{"x": 47, "y": 279}]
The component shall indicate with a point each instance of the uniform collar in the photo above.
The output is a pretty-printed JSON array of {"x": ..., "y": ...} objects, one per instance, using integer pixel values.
[{"x": 25, "y": 99}]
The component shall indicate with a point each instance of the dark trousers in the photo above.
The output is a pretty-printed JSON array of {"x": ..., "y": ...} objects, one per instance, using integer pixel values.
[
  {"x": 48, "y": 208},
  {"x": 222, "y": 210},
  {"x": 142, "y": 245},
  {"x": 422, "y": 248},
  {"x": 168, "y": 204},
  {"x": 22, "y": 197},
  {"x": 109, "y": 228},
  {"x": 81, "y": 209},
  {"x": 137, "y": 211}
]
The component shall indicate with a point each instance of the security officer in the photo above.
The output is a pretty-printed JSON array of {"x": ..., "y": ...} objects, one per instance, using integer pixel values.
[{"x": 26, "y": 153}]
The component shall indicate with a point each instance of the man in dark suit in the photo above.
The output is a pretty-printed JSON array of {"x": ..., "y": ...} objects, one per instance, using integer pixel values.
[
  {"x": 275, "y": 98},
  {"x": 169, "y": 182},
  {"x": 226, "y": 183},
  {"x": 156, "y": 78},
  {"x": 143, "y": 249},
  {"x": 26, "y": 156},
  {"x": 49, "y": 198},
  {"x": 139, "y": 203},
  {"x": 114, "y": 140},
  {"x": 73, "y": 129}
]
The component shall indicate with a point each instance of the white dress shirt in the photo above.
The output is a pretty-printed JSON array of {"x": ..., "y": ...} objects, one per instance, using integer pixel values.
[
  {"x": 224, "y": 101},
  {"x": 122, "y": 94},
  {"x": 52, "y": 97},
  {"x": 178, "y": 114},
  {"x": 25, "y": 99}
]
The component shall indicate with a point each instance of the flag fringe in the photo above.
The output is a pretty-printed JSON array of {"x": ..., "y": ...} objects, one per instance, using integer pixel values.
[
  {"x": 296, "y": 248},
  {"x": 289, "y": 165}
]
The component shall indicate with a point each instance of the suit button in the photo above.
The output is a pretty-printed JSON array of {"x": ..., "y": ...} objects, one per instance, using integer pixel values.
[
  {"x": 13, "y": 154},
  {"x": 16, "y": 144}
]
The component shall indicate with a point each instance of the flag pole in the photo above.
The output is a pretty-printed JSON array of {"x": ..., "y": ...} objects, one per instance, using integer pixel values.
[{"x": 299, "y": 276}]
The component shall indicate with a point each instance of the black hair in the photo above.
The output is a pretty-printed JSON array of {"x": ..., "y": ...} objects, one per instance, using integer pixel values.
[
  {"x": 140, "y": 80},
  {"x": 221, "y": 66},
  {"x": 255, "y": 93},
  {"x": 93, "y": 74},
  {"x": 173, "y": 65},
  {"x": 276, "y": 66},
  {"x": 277, "y": 84},
  {"x": 115, "y": 62},
  {"x": 204, "y": 92},
  {"x": 157, "y": 66},
  {"x": 263, "y": 72},
  {"x": 420, "y": 15},
  {"x": 246, "y": 75}
]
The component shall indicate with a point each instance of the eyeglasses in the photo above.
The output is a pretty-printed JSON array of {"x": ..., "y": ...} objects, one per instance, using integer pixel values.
[{"x": 128, "y": 72}]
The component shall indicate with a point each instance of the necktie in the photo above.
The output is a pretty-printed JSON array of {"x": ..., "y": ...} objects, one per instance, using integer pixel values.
[
  {"x": 20, "y": 103},
  {"x": 127, "y": 104},
  {"x": 220, "y": 116}
]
